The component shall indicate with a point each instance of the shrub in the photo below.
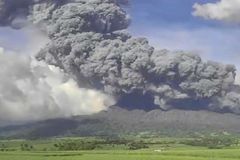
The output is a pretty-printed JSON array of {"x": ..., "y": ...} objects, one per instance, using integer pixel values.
[
  {"x": 72, "y": 146},
  {"x": 214, "y": 142},
  {"x": 137, "y": 145}
]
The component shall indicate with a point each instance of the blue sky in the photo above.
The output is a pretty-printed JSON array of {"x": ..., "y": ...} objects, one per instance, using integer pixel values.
[
  {"x": 12, "y": 39},
  {"x": 166, "y": 12},
  {"x": 168, "y": 24}
]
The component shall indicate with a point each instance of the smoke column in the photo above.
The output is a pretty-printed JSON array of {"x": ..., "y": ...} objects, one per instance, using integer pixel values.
[{"x": 89, "y": 42}]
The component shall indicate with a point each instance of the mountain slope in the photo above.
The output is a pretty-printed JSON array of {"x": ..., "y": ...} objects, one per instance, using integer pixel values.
[{"x": 117, "y": 121}]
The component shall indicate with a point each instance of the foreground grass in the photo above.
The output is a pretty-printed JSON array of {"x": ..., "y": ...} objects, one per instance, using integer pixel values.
[
  {"x": 174, "y": 154},
  {"x": 158, "y": 149}
]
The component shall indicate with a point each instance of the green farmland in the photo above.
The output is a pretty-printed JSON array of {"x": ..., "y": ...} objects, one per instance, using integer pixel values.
[
  {"x": 149, "y": 149},
  {"x": 184, "y": 154}
]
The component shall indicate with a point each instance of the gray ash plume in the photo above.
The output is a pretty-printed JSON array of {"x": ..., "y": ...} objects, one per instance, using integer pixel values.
[{"x": 89, "y": 41}]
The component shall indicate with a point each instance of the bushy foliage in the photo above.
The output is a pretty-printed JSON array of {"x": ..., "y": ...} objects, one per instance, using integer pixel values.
[
  {"x": 137, "y": 145},
  {"x": 26, "y": 147},
  {"x": 213, "y": 142},
  {"x": 74, "y": 146}
]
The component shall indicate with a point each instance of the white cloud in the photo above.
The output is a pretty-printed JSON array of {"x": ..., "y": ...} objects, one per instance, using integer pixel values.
[
  {"x": 223, "y": 10},
  {"x": 1, "y": 50},
  {"x": 33, "y": 90}
]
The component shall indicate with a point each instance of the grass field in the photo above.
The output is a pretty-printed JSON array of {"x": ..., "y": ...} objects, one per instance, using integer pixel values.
[
  {"x": 185, "y": 154},
  {"x": 161, "y": 149}
]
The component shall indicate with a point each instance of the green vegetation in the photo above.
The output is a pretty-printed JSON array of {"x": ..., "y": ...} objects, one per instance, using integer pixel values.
[
  {"x": 212, "y": 147},
  {"x": 75, "y": 146},
  {"x": 213, "y": 142}
]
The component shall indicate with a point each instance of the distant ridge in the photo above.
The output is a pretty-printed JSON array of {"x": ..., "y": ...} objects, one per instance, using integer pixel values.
[{"x": 118, "y": 121}]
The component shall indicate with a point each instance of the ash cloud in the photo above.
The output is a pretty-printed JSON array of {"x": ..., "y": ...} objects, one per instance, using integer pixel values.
[{"x": 88, "y": 41}]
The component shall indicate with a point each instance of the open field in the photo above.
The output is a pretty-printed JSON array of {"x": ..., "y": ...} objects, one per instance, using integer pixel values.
[
  {"x": 120, "y": 149},
  {"x": 185, "y": 154},
  {"x": 157, "y": 149}
]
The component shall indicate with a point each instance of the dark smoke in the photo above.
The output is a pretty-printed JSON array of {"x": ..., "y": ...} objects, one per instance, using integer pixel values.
[{"x": 89, "y": 42}]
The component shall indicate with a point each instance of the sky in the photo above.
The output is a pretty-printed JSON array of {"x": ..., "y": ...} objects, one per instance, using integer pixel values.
[
  {"x": 11, "y": 39},
  {"x": 206, "y": 27},
  {"x": 168, "y": 24}
]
